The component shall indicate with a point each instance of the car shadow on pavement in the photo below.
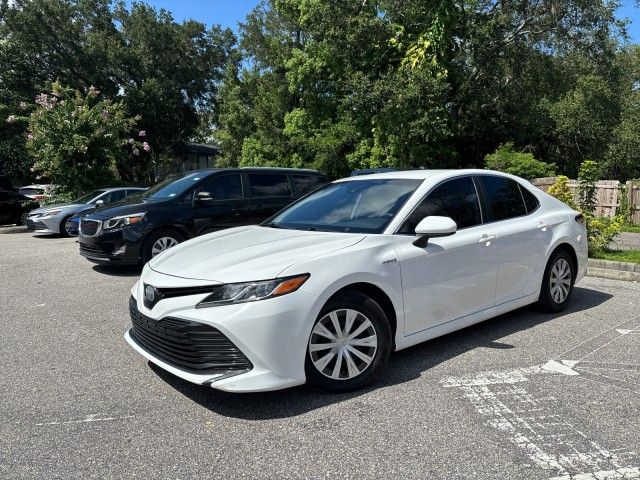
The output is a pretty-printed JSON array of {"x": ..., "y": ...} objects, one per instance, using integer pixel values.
[
  {"x": 13, "y": 229},
  {"x": 404, "y": 366},
  {"x": 119, "y": 270}
]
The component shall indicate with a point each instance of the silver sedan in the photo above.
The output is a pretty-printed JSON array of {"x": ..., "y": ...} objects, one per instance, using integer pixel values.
[{"x": 53, "y": 218}]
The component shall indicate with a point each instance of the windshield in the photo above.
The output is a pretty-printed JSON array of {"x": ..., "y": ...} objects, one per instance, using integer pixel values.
[
  {"x": 91, "y": 196},
  {"x": 361, "y": 206},
  {"x": 173, "y": 186}
]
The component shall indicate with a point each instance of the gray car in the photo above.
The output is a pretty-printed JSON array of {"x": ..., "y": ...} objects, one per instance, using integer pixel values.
[{"x": 53, "y": 218}]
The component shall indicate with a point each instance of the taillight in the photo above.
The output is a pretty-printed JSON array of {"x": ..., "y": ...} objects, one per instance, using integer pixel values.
[{"x": 580, "y": 219}]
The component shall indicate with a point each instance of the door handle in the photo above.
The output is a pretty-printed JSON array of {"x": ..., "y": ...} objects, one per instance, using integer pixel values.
[
  {"x": 487, "y": 239},
  {"x": 543, "y": 226}
]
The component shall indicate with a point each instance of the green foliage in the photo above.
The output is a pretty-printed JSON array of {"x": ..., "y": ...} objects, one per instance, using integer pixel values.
[
  {"x": 162, "y": 71},
  {"x": 77, "y": 139},
  {"x": 602, "y": 230},
  {"x": 506, "y": 159},
  {"x": 631, "y": 256},
  {"x": 587, "y": 178},
  {"x": 561, "y": 190}
]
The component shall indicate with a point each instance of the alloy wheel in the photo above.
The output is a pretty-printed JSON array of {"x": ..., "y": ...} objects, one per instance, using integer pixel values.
[
  {"x": 162, "y": 244},
  {"x": 560, "y": 281},
  {"x": 343, "y": 344}
]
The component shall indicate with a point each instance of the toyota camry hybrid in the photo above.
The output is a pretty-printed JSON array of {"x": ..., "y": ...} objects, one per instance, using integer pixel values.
[{"x": 325, "y": 290}]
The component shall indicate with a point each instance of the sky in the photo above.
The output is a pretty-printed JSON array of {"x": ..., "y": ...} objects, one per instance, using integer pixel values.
[{"x": 229, "y": 12}]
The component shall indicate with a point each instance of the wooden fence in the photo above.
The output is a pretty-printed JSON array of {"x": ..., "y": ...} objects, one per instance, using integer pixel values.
[{"x": 608, "y": 193}]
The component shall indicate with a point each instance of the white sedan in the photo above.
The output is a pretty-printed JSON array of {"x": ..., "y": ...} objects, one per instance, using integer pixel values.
[{"x": 325, "y": 290}]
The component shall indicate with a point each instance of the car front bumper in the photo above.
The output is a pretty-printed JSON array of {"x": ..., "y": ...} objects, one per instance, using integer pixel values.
[
  {"x": 272, "y": 334},
  {"x": 50, "y": 224},
  {"x": 119, "y": 247}
]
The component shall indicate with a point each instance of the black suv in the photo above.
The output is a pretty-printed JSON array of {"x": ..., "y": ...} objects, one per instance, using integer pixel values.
[{"x": 188, "y": 205}]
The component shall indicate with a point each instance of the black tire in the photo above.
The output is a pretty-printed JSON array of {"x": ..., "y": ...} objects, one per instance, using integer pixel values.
[
  {"x": 22, "y": 219},
  {"x": 370, "y": 309},
  {"x": 546, "y": 300},
  {"x": 153, "y": 237},
  {"x": 63, "y": 227}
]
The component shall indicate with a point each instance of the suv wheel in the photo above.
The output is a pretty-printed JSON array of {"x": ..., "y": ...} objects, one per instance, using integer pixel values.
[
  {"x": 350, "y": 344},
  {"x": 158, "y": 242}
]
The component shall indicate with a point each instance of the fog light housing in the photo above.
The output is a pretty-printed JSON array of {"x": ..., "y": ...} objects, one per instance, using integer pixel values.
[{"x": 121, "y": 250}]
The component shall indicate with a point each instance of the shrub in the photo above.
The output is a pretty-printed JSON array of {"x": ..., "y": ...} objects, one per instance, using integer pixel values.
[
  {"x": 506, "y": 159},
  {"x": 602, "y": 230},
  {"x": 587, "y": 178},
  {"x": 77, "y": 139},
  {"x": 561, "y": 190}
]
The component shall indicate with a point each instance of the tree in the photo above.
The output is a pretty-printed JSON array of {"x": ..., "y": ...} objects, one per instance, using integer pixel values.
[
  {"x": 77, "y": 139},
  {"x": 506, "y": 159},
  {"x": 163, "y": 71}
]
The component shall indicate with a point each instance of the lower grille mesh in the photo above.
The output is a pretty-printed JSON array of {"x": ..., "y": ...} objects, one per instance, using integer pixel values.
[{"x": 190, "y": 346}]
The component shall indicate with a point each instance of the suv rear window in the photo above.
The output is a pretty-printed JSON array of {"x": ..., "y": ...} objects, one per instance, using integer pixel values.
[
  {"x": 269, "y": 185},
  {"x": 307, "y": 183},
  {"x": 503, "y": 197}
]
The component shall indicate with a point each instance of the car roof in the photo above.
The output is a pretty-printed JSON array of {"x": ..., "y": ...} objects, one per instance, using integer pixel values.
[
  {"x": 111, "y": 189},
  {"x": 425, "y": 174},
  {"x": 266, "y": 169}
]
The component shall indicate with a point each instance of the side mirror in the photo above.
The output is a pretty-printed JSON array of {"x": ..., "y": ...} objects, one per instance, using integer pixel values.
[
  {"x": 203, "y": 197},
  {"x": 99, "y": 203},
  {"x": 431, "y": 227}
]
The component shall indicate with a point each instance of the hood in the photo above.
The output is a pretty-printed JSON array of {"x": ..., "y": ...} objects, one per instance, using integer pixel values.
[
  {"x": 247, "y": 253},
  {"x": 62, "y": 206},
  {"x": 124, "y": 208}
]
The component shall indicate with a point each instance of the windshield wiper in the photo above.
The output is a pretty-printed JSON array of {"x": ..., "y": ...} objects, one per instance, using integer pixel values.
[{"x": 272, "y": 225}]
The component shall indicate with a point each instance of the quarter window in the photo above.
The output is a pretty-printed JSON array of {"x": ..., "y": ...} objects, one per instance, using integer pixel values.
[
  {"x": 269, "y": 185},
  {"x": 530, "y": 200},
  {"x": 456, "y": 199},
  {"x": 503, "y": 197}
]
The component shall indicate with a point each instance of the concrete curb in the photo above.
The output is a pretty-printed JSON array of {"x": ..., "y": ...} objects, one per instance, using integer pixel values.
[{"x": 613, "y": 270}]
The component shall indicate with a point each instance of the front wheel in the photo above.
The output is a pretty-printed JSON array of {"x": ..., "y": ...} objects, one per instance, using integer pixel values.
[
  {"x": 350, "y": 343},
  {"x": 62, "y": 230},
  {"x": 158, "y": 242},
  {"x": 557, "y": 283}
]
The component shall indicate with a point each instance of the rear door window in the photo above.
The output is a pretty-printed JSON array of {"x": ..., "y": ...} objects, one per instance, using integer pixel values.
[
  {"x": 503, "y": 197},
  {"x": 269, "y": 185}
]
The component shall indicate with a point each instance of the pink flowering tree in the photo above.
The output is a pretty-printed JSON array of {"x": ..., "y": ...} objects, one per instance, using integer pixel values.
[{"x": 78, "y": 140}]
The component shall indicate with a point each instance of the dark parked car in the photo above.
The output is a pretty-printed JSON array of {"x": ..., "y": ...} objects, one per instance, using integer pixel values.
[
  {"x": 14, "y": 207},
  {"x": 188, "y": 205}
]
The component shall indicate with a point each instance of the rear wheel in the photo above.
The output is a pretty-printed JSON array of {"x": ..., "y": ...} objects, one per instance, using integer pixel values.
[
  {"x": 557, "y": 283},
  {"x": 350, "y": 343},
  {"x": 158, "y": 242}
]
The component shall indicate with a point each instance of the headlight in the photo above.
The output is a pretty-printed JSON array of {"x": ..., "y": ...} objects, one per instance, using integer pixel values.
[
  {"x": 123, "y": 221},
  {"x": 50, "y": 213},
  {"x": 253, "y": 291}
]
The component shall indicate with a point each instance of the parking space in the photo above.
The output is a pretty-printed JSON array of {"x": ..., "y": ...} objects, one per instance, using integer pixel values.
[{"x": 526, "y": 395}]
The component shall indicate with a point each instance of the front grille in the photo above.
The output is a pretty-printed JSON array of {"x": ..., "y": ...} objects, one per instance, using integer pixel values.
[
  {"x": 93, "y": 251},
  {"x": 190, "y": 346},
  {"x": 35, "y": 225},
  {"x": 90, "y": 228}
]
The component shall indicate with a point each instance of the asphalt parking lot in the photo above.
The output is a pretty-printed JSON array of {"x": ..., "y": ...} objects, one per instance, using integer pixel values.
[{"x": 523, "y": 396}]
